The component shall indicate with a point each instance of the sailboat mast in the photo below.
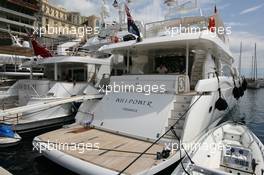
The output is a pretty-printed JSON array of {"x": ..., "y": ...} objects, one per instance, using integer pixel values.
[
  {"x": 256, "y": 63},
  {"x": 240, "y": 58},
  {"x": 252, "y": 67}
]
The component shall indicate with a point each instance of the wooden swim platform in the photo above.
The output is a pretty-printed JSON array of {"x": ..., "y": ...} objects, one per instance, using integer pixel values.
[{"x": 115, "y": 153}]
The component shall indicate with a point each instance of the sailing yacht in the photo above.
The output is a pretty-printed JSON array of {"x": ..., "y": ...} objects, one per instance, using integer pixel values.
[{"x": 168, "y": 89}]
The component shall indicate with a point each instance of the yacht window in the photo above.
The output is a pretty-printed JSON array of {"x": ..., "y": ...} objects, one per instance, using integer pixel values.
[
  {"x": 226, "y": 71},
  {"x": 79, "y": 75},
  {"x": 174, "y": 64}
]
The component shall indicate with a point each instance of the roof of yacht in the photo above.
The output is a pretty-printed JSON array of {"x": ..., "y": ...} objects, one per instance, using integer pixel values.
[
  {"x": 199, "y": 40},
  {"x": 75, "y": 59}
]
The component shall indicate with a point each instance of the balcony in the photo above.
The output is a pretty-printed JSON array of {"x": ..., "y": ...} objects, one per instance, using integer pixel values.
[{"x": 32, "y": 6}]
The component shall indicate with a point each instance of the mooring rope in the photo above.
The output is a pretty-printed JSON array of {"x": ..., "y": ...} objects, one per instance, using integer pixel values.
[{"x": 154, "y": 143}]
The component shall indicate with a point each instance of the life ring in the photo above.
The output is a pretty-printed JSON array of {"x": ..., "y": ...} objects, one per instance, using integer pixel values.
[{"x": 211, "y": 26}]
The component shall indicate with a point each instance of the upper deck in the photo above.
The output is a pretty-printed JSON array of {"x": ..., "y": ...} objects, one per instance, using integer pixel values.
[{"x": 177, "y": 34}]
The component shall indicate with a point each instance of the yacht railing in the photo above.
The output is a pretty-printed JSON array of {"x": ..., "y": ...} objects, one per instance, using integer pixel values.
[{"x": 181, "y": 25}]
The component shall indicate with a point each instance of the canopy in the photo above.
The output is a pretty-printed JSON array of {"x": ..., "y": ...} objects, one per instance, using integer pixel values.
[
  {"x": 202, "y": 40},
  {"x": 6, "y": 131}
]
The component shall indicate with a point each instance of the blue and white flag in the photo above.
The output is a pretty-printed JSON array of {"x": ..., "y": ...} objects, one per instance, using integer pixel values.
[{"x": 132, "y": 27}]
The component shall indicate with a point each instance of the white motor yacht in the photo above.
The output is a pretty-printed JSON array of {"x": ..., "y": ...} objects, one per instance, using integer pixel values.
[
  {"x": 65, "y": 77},
  {"x": 167, "y": 88}
]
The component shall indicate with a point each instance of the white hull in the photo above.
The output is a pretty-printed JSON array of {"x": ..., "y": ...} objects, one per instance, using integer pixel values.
[
  {"x": 201, "y": 107},
  {"x": 204, "y": 115},
  {"x": 142, "y": 117},
  {"x": 233, "y": 150},
  {"x": 9, "y": 142},
  {"x": 4, "y": 172},
  {"x": 43, "y": 124}
]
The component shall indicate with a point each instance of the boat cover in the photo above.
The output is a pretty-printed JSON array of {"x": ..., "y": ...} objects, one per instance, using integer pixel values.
[{"x": 6, "y": 131}]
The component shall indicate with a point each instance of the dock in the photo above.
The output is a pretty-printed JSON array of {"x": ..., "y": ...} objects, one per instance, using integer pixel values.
[{"x": 4, "y": 172}]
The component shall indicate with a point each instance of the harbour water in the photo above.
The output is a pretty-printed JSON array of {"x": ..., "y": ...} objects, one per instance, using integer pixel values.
[{"x": 21, "y": 160}]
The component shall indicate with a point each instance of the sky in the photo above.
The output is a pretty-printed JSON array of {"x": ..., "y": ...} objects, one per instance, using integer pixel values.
[{"x": 245, "y": 17}]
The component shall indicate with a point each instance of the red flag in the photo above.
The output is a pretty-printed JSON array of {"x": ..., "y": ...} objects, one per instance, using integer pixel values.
[{"x": 40, "y": 50}]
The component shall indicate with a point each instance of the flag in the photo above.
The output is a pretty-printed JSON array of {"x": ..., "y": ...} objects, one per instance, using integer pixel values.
[
  {"x": 215, "y": 9},
  {"x": 132, "y": 27},
  {"x": 40, "y": 50}
]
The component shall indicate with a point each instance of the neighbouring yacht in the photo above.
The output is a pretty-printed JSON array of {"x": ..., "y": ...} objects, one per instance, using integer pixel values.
[
  {"x": 8, "y": 137},
  {"x": 234, "y": 150},
  {"x": 77, "y": 70},
  {"x": 11, "y": 59},
  {"x": 64, "y": 77},
  {"x": 168, "y": 88}
]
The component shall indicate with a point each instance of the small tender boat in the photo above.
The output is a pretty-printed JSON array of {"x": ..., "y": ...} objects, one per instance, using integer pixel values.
[
  {"x": 230, "y": 148},
  {"x": 7, "y": 136}
]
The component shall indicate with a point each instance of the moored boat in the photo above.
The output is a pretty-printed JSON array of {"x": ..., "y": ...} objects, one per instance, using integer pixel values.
[
  {"x": 230, "y": 148},
  {"x": 169, "y": 88},
  {"x": 8, "y": 137}
]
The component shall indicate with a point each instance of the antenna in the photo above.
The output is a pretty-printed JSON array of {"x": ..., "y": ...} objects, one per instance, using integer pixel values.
[
  {"x": 180, "y": 6},
  {"x": 201, "y": 12},
  {"x": 104, "y": 12},
  {"x": 121, "y": 12},
  {"x": 256, "y": 63}
]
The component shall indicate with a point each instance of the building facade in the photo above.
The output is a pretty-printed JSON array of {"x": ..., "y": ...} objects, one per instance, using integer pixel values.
[
  {"x": 52, "y": 16},
  {"x": 17, "y": 17},
  {"x": 20, "y": 16}
]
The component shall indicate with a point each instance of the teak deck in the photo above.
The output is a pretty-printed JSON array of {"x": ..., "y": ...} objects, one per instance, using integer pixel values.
[{"x": 109, "y": 159}]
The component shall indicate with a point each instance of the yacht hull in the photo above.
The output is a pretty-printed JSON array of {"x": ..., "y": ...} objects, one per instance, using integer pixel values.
[
  {"x": 23, "y": 128},
  {"x": 202, "y": 124}
]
